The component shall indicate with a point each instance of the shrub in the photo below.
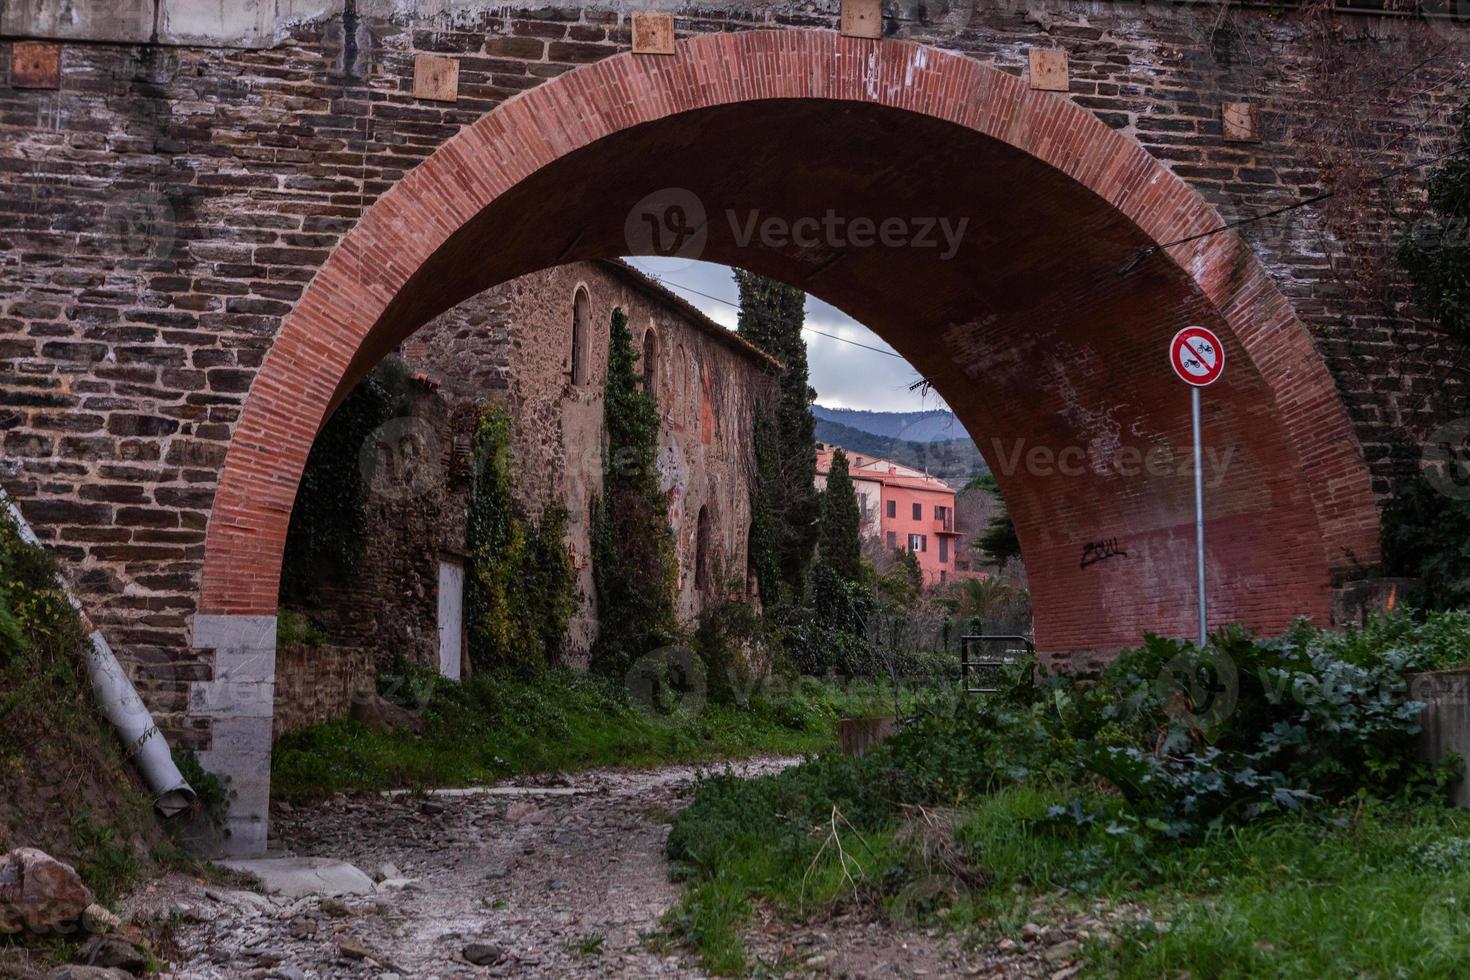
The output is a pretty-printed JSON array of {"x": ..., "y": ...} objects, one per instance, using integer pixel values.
[
  {"x": 329, "y": 517},
  {"x": 737, "y": 646},
  {"x": 1426, "y": 535}
]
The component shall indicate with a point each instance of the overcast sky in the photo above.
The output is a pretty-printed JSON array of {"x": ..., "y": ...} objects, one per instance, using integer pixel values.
[{"x": 843, "y": 375}]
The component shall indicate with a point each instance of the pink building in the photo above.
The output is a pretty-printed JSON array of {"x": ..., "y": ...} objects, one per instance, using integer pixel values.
[{"x": 907, "y": 509}]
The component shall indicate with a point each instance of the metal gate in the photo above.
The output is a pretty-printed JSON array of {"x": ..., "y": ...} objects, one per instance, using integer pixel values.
[{"x": 983, "y": 659}]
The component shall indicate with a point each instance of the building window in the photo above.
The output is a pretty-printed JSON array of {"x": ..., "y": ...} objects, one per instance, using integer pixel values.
[
  {"x": 944, "y": 551},
  {"x": 701, "y": 552},
  {"x": 893, "y": 540},
  {"x": 650, "y": 361},
  {"x": 893, "y": 508},
  {"x": 918, "y": 512},
  {"x": 581, "y": 334},
  {"x": 918, "y": 542}
]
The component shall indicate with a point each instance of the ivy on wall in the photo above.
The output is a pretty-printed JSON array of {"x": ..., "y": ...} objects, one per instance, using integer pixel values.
[
  {"x": 1426, "y": 526},
  {"x": 520, "y": 584},
  {"x": 634, "y": 565},
  {"x": 329, "y": 518},
  {"x": 1436, "y": 249}
]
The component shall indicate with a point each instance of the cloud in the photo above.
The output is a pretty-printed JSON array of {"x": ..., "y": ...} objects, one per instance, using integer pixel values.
[{"x": 845, "y": 376}]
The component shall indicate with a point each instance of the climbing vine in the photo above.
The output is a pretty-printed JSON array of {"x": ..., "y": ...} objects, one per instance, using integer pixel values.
[
  {"x": 634, "y": 566},
  {"x": 329, "y": 520},
  {"x": 520, "y": 588}
]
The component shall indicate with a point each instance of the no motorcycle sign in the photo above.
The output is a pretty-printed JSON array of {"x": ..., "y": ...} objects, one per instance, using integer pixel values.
[{"x": 1197, "y": 356}]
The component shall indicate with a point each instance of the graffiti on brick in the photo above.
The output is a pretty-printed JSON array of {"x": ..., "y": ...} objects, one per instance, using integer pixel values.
[{"x": 1100, "y": 551}]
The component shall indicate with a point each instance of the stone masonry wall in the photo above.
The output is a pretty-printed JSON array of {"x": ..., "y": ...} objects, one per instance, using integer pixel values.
[
  {"x": 163, "y": 207},
  {"x": 317, "y": 684},
  {"x": 707, "y": 382}
]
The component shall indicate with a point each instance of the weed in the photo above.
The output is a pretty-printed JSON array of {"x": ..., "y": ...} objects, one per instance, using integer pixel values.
[{"x": 590, "y": 945}]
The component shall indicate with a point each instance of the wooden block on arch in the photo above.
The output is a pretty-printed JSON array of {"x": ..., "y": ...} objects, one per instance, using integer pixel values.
[
  {"x": 436, "y": 78},
  {"x": 1049, "y": 72},
  {"x": 653, "y": 32},
  {"x": 862, "y": 18},
  {"x": 1240, "y": 122},
  {"x": 35, "y": 64}
]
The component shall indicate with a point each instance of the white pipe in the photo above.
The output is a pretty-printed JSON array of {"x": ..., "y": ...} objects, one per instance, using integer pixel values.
[{"x": 144, "y": 743}]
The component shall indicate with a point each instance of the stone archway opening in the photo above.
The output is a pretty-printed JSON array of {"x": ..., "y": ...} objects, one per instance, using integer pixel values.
[{"x": 1004, "y": 241}]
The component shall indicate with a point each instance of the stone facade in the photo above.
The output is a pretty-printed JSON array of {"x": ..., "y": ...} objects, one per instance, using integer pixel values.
[
  {"x": 709, "y": 384},
  {"x": 165, "y": 209},
  {"x": 318, "y": 683},
  {"x": 514, "y": 345}
]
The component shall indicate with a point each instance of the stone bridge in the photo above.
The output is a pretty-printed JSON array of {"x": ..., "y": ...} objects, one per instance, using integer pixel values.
[{"x": 213, "y": 223}]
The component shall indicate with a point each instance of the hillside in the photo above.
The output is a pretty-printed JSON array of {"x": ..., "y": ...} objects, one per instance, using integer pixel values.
[
  {"x": 937, "y": 425},
  {"x": 954, "y": 461}
]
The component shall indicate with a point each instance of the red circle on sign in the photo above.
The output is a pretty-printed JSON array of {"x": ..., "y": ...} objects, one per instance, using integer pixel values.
[{"x": 1198, "y": 356}]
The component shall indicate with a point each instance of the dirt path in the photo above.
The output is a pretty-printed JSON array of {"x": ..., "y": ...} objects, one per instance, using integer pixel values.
[{"x": 563, "y": 882}]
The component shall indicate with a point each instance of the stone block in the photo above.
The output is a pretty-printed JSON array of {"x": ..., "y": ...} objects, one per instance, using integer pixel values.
[
  {"x": 240, "y": 754},
  {"x": 1049, "y": 71},
  {"x": 298, "y": 877},
  {"x": 1354, "y": 602},
  {"x": 857, "y": 736},
  {"x": 862, "y": 18},
  {"x": 436, "y": 78},
  {"x": 1240, "y": 122},
  {"x": 239, "y": 700},
  {"x": 1445, "y": 721},
  {"x": 653, "y": 32},
  {"x": 241, "y": 24},
  {"x": 120, "y": 21},
  {"x": 35, "y": 64}
]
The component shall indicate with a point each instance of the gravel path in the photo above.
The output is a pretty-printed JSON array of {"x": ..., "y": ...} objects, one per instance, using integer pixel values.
[{"x": 561, "y": 877}]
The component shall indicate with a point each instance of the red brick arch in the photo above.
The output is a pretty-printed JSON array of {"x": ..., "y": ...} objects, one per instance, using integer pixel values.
[{"x": 1275, "y": 552}]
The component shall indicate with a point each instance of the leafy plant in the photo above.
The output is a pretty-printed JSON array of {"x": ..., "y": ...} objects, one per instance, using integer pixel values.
[
  {"x": 1164, "y": 767},
  {"x": 1426, "y": 535},
  {"x": 999, "y": 543},
  {"x": 520, "y": 587},
  {"x": 296, "y": 628},
  {"x": 329, "y": 518},
  {"x": 1436, "y": 250},
  {"x": 634, "y": 567}
]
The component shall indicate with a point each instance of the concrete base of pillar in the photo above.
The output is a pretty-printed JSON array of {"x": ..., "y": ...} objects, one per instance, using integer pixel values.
[{"x": 240, "y": 702}]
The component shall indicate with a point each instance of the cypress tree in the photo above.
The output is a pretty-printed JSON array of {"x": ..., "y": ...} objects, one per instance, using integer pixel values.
[
  {"x": 1000, "y": 543},
  {"x": 632, "y": 544},
  {"x": 771, "y": 317},
  {"x": 840, "y": 545}
]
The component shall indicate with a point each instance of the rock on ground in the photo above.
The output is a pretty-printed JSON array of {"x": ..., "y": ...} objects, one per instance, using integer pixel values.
[{"x": 40, "y": 894}]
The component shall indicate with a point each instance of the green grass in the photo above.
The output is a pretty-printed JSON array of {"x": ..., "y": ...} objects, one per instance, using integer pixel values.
[
  {"x": 1384, "y": 896},
  {"x": 495, "y": 726},
  {"x": 65, "y": 784},
  {"x": 1379, "y": 891}
]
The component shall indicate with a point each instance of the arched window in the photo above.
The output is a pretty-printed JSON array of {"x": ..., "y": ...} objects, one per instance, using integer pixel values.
[
  {"x": 701, "y": 552},
  {"x": 581, "y": 335},
  {"x": 650, "y": 362}
]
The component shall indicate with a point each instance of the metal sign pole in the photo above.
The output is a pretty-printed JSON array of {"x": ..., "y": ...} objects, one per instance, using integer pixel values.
[{"x": 1199, "y": 515}]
